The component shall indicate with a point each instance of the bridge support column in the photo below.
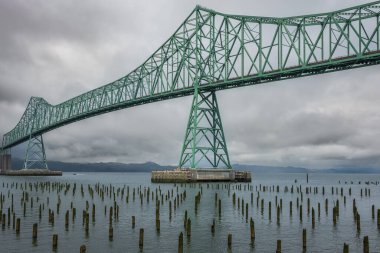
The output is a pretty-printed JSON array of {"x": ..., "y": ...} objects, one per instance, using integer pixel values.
[
  {"x": 35, "y": 157},
  {"x": 204, "y": 145}
]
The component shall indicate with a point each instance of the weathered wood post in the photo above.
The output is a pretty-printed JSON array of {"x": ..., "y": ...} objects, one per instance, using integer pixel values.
[
  {"x": 312, "y": 218},
  {"x": 158, "y": 225},
  {"x": 18, "y": 226},
  {"x": 213, "y": 227},
  {"x": 93, "y": 212},
  {"x": 220, "y": 208},
  {"x": 188, "y": 227},
  {"x": 304, "y": 239},
  {"x": 55, "y": 242},
  {"x": 133, "y": 221},
  {"x": 278, "y": 250},
  {"x": 334, "y": 215},
  {"x": 110, "y": 233},
  {"x": 82, "y": 249},
  {"x": 170, "y": 210},
  {"x": 180, "y": 243},
  {"x": 87, "y": 223},
  {"x": 141, "y": 238},
  {"x": 345, "y": 248},
  {"x": 252, "y": 229},
  {"x": 67, "y": 220},
  {"x": 185, "y": 220},
  {"x": 229, "y": 241},
  {"x": 365, "y": 244},
  {"x": 34, "y": 234},
  {"x": 270, "y": 210}
]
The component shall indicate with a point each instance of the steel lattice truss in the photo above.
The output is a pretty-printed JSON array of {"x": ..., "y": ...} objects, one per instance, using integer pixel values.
[
  {"x": 204, "y": 137},
  {"x": 214, "y": 51}
]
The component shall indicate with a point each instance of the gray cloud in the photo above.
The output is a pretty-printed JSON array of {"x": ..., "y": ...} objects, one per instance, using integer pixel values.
[{"x": 60, "y": 49}]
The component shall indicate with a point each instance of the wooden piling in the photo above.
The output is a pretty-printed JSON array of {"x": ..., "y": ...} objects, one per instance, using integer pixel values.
[
  {"x": 213, "y": 227},
  {"x": 365, "y": 244},
  {"x": 270, "y": 210},
  {"x": 110, "y": 233},
  {"x": 278, "y": 250},
  {"x": 86, "y": 222},
  {"x": 246, "y": 212},
  {"x": 180, "y": 243},
  {"x": 158, "y": 225},
  {"x": 220, "y": 208},
  {"x": 34, "y": 234},
  {"x": 188, "y": 227},
  {"x": 291, "y": 208},
  {"x": 82, "y": 249},
  {"x": 67, "y": 220},
  {"x": 345, "y": 248},
  {"x": 55, "y": 242},
  {"x": 185, "y": 220},
  {"x": 229, "y": 241},
  {"x": 304, "y": 239},
  {"x": 252, "y": 229},
  {"x": 133, "y": 221},
  {"x": 18, "y": 226},
  {"x": 141, "y": 238},
  {"x": 334, "y": 216}
]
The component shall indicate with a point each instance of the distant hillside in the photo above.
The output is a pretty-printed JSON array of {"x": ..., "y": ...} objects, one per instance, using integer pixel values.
[
  {"x": 98, "y": 167},
  {"x": 269, "y": 169},
  {"x": 149, "y": 166},
  {"x": 350, "y": 171}
]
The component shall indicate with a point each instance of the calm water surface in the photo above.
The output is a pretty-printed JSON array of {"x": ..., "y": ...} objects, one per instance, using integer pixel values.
[{"x": 325, "y": 237}]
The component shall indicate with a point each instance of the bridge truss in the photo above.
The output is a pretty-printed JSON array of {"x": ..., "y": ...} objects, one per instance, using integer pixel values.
[{"x": 211, "y": 51}]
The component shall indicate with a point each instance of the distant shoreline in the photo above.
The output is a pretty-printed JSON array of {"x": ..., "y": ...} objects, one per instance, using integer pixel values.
[{"x": 150, "y": 166}]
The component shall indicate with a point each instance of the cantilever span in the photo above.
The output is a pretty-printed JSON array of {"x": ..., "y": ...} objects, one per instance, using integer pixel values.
[{"x": 211, "y": 51}]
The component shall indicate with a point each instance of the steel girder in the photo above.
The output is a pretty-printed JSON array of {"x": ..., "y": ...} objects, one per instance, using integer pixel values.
[
  {"x": 35, "y": 156},
  {"x": 204, "y": 145},
  {"x": 219, "y": 51}
]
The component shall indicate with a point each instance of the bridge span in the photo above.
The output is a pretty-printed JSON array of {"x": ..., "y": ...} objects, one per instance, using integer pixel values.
[{"x": 211, "y": 51}]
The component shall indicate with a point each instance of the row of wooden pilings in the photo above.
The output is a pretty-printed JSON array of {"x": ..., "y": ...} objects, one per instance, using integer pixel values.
[{"x": 240, "y": 203}]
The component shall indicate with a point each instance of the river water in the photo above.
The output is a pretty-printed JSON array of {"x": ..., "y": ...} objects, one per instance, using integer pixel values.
[{"x": 325, "y": 237}]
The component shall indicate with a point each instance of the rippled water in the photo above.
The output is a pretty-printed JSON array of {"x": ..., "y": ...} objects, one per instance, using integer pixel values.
[{"x": 325, "y": 237}]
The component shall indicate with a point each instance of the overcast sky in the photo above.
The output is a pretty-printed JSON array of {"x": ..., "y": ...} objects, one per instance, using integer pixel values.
[{"x": 60, "y": 49}]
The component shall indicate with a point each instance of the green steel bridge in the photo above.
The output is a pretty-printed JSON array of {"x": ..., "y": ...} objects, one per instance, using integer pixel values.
[{"x": 212, "y": 51}]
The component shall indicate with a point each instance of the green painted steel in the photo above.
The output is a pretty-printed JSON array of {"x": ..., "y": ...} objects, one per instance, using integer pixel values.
[
  {"x": 35, "y": 157},
  {"x": 212, "y": 51},
  {"x": 204, "y": 137}
]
